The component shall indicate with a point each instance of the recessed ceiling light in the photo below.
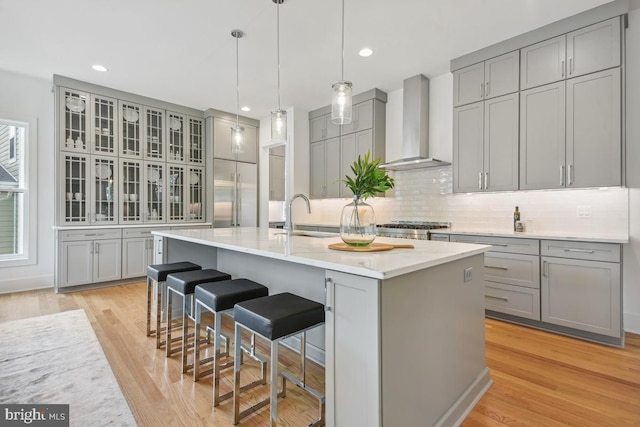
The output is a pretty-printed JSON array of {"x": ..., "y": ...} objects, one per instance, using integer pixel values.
[
  {"x": 245, "y": 108},
  {"x": 365, "y": 52},
  {"x": 100, "y": 68}
]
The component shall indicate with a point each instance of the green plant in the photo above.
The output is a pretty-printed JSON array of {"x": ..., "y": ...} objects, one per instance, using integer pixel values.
[{"x": 369, "y": 178}]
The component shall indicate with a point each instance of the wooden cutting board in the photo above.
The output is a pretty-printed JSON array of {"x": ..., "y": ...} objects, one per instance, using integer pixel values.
[{"x": 373, "y": 247}]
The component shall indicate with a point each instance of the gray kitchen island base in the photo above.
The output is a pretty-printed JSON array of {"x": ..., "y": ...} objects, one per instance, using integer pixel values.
[{"x": 401, "y": 347}]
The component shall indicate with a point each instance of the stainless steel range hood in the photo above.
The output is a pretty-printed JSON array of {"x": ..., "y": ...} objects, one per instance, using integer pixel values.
[{"x": 415, "y": 127}]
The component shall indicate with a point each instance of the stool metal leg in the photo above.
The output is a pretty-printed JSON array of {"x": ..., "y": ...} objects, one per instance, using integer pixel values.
[
  {"x": 185, "y": 332},
  {"x": 149, "y": 286},
  {"x": 168, "y": 335},
  {"x": 236, "y": 374},
  {"x": 274, "y": 383},
  {"x": 196, "y": 343},
  {"x": 159, "y": 312}
]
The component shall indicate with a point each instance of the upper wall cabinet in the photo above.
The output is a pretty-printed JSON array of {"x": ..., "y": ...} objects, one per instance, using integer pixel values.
[
  {"x": 362, "y": 118},
  {"x": 593, "y": 48},
  {"x": 222, "y": 144},
  {"x": 323, "y": 128},
  {"x": 489, "y": 79}
]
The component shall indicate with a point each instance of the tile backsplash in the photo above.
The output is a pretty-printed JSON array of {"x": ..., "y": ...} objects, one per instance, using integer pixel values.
[{"x": 426, "y": 195}]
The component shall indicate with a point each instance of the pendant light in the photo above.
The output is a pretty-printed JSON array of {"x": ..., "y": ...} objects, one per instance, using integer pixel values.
[
  {"x": 237, "y": 131},
  {"x": 279, "y": 116},
  {"x": 341, "y": 100}
]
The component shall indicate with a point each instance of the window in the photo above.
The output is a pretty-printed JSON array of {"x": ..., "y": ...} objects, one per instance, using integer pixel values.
[{"x": 15, "y": 212}]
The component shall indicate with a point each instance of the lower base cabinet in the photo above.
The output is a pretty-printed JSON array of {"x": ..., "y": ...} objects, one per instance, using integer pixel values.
[
  {"x": 137, "y": 252},
  {"x": 90, "y": 256},
  {"x": 581, "y": 288}
]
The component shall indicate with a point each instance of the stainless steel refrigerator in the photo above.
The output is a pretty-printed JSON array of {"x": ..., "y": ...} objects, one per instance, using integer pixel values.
[{"x": 235, "y": 194}]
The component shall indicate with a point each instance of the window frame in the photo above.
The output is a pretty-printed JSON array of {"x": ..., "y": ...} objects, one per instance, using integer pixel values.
[{"x": 27, "y": 187}]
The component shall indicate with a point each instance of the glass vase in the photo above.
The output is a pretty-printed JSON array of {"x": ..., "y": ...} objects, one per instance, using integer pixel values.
[{"x": 358, "y": 223}]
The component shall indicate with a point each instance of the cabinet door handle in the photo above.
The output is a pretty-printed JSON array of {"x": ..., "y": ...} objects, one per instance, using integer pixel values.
[
  {"x": 328, "y": 295},
  {"x": 570, "y": 66},
  {"x": 582, "y": 251},
  {"x": 486, "y": 92},
  {"x": 569, "y": 174},
  {"x": 545, "y": 268},
  {"x": 486, "y": 180},
  {"x": 97, "y": 247},
  {"x": 492, "y": 244},
  {"x": 562, "y": 68},
  {"x": 562, "y": 175},
  {"x": 481, "y": 90},
  {"x": 497, "y": 267},
  {"x": 495, "y": 297},
  {"x": 159, "y": 247},
  {"x": 480, "y": 181}
]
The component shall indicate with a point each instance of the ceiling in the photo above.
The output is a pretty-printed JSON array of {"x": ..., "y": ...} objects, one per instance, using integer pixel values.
[{"x": 182, "y": 51}]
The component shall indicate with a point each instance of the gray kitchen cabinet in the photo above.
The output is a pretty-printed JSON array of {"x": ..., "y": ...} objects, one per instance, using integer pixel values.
[
  {"x": 137, "y": 252},
  {"x": 511, "y": 275},
  {"x": 587, "y": 50},
  {"x": 594, "y": 130},
  {"x": 366, "y": 133},
  {"x": 581, "y": 286},
  {"x": 439, "y": 237},
  {"x": 543, "y": 62},
  {"x": 542, "y": 137},
  {"x": 323, "y": 128},
  {"x": 325, "y": 169},
  {"x": 154, "y": 132},
  {"x": 88, "y": 256},
  {"x": 489, "y": 79},
  {"x": 362, "y": 118},
  {"x": 222, "y": 144},
  {"x": 486, "y": 145},
  {"x": 276, "y": 177},
  {"x": 593, "y": 48},
  {"x": 353, "y": 145},
  {"x": 589, "y": 153}
]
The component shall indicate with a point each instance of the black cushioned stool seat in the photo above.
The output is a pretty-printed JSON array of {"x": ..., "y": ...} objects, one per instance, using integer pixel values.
[
  {"x": 275, "y": 318},
  {"x": 157, "y": 273},
  {"x": 184, "y": 284},
  {"x": 219, "y": 298}
]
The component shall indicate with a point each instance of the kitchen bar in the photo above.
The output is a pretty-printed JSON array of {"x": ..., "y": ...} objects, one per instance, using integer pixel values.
[{"x": 403, "y": 342}]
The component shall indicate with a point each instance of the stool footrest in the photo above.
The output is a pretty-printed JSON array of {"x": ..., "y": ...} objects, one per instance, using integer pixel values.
[
  {"x": 258, "y": 405},
  {"x": 321, "y": 399}
]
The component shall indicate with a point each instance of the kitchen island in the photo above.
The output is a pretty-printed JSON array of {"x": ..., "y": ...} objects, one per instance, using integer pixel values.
[{"x": 403, "y": 342}]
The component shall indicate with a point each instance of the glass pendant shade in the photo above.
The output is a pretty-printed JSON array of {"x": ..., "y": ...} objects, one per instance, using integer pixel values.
[
  {"x": 279, "y": 126},
  {"x": 237, "y": 139},
  {"x": 341, "y": 102}
]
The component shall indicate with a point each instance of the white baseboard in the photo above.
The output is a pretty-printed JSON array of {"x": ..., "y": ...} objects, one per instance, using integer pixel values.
[
  {"x": 26, "y": 284},
  {"x": 632, "y": 323}
]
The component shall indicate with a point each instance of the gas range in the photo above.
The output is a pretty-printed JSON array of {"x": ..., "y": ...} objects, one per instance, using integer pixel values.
[{"x": 419, "y": 230}]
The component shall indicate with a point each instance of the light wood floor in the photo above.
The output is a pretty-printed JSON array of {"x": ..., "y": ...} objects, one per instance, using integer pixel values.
[{"x": 540, "y": 379}]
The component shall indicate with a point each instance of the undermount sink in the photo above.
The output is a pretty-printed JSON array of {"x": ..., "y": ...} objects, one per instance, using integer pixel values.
[{"x": 312, "y": 234}]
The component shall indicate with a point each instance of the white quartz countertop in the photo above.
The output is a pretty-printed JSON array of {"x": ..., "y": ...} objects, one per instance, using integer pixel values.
[
  {"x": 601, "y": 237},
  {"x": 314, "y": 251}
]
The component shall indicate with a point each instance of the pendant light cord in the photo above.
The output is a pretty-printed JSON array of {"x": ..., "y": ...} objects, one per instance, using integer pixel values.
[
  {"x": 278, "y": 43},
  {"x": 237, "y": 84},
  {"x": 342, "y": 73}
]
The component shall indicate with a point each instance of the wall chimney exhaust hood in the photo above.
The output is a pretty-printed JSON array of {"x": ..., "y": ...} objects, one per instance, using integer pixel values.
[{"x": 415, "y": 127}]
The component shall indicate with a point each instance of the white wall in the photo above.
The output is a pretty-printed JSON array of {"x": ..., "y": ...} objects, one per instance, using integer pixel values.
[{"x": 24, "y": 96}]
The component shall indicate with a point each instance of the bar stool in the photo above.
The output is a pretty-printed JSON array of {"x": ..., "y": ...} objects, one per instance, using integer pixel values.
[
  {"x": 275, "y": 318},
  {"x": 219, "y": 298},
  {"x": 157, "y": 274},
  {"x": 184, "y": 285}
]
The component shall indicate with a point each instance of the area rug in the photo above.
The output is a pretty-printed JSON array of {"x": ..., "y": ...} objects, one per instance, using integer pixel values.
[{"x": 57, "y": 359}]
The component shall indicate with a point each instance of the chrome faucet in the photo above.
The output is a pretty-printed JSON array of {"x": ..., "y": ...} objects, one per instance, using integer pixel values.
[{"x": 288, "y": 225}]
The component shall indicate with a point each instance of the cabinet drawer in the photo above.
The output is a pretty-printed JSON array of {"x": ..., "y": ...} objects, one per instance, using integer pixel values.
[
  {"x": 137, "y": 232},
  {"x": 440, "y": 237},
  {"x": 502, "y": 244},
  {"x": 329, "y": 229},
  {"x": 514, "y": 300},
  {"x": 190, "y": 227},
  {"x": 73, "y": 235},
  {"x": 514, "y": 269},
  {"x": 581, "y": 250}
]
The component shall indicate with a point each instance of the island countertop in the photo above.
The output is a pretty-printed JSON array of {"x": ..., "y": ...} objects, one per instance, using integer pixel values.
[{"x": 314, "y": 251}]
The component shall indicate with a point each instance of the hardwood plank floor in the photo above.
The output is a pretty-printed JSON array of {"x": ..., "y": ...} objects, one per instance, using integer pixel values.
[{"x": 540, "y": 379}]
